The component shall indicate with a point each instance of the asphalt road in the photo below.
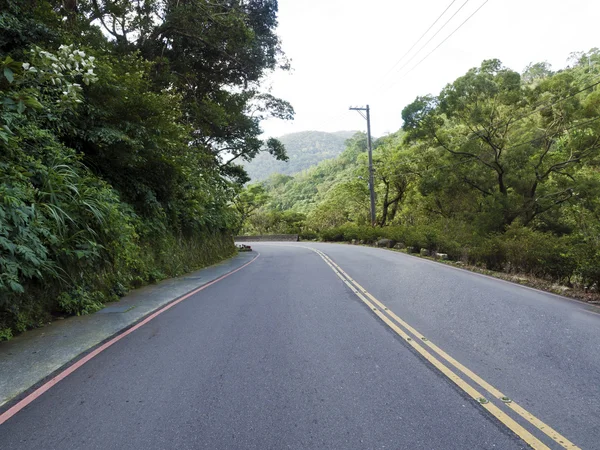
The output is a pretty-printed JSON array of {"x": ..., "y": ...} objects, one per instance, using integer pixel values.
[{"x": 283, "y": 354}]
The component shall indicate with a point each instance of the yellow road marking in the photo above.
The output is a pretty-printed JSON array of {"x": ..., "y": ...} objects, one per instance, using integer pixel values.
[
  {"x": 535, "y": 443},
  {"x": 509, "y": 422}
]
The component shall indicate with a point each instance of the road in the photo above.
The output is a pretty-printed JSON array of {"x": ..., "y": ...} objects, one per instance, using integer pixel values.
[{"x": 290, "y": 353}]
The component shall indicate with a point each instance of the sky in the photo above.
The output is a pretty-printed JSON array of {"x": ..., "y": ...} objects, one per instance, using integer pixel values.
[{"x": 349, "y": 52}]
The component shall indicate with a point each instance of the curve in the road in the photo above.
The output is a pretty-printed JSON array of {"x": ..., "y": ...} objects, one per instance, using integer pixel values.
[{"x": 389, "y": 317}]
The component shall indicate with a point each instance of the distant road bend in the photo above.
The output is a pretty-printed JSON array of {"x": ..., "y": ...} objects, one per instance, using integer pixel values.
[{"x": 324, "y": 346}]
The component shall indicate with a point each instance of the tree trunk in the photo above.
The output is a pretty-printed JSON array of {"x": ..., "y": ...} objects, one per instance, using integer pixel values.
[{"x": 386, "y": 205}]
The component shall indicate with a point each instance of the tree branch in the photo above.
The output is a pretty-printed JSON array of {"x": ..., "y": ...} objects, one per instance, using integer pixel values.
[{"x": 475, "y": 186}]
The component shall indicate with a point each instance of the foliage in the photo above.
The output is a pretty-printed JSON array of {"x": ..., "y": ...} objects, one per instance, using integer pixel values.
[
  {"x": 120, "y": 126},
  {"x": 500, "y": 169},
  {"x": 249, "y": 200}
]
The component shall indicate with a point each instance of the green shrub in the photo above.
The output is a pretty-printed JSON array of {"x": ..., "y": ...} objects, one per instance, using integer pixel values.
[
  {"x": 584, "y": 254},
  {"x": 308, "y": 236},
  {"x": 489, "y": 253},
  {"x": 332, "y": 235},
  {"x": 5, "y": 334},
  {"x": 80, "y": 301},
  {"x": 538, "y": 253},
  {"x": 588, "y": 265}
]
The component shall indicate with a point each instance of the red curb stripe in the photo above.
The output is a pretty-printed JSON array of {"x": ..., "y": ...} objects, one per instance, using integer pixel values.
[{"x": 69, "y": 370}]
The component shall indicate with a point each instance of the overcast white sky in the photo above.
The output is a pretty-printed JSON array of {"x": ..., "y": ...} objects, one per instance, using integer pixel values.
[{"x": 342, "y": 52}]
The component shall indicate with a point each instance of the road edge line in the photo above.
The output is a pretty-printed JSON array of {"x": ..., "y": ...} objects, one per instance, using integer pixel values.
[
  {"x": 62, "y": 374},
  {"x": 490, "y": 277}
]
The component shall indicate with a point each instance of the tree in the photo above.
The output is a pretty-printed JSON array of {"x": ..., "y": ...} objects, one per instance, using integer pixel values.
[
  {"x": 215, "y": 55},
  {"x": 534, "y": 73},
  {"x": 395, "y": 168},
  {"x": 516, "y": 146},
  {"x": 249, "y": 200}
]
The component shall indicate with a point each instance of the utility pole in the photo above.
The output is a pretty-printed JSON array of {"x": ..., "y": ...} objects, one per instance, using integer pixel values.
[{"x": 371, "y": 185}]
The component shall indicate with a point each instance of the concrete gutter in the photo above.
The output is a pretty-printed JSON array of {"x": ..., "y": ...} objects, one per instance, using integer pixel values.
[{"x": 31, "y": 357}]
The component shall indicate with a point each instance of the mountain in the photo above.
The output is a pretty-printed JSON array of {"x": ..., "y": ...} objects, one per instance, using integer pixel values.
[{"x": 305, "y": 149}]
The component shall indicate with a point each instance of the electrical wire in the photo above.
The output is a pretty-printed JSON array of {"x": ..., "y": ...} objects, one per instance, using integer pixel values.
[
  {"x": 447, "y": 37},
  {"x": 540, "y": 106},
  {"x": 426, "y": 43},
  {"x": 469, "y": 160},
  {"x": 419, "y": 40}
]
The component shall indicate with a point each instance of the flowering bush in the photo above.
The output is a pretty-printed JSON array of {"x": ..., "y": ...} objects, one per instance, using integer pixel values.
[{"x": 62, "y": 71}]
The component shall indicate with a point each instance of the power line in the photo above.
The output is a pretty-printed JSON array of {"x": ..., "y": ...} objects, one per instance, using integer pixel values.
[
  {"x": 329, "y": 120},
  {"x": 533, "y": 141},
  {"x": 431, "y": 38},
  {"x": 470, "y": 160},
  {"x": 541, "y": 106},
  {"x": 538, "y": 107},
  {"x": 447, "y": 37},
  {"x": 419, "y": 40}
]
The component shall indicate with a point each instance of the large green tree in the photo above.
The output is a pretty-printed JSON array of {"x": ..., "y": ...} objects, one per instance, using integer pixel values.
[{"x": 518, "y": 146}]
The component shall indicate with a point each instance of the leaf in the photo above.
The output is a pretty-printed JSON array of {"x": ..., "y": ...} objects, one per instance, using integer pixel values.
[
  {"x": 21, "y": 107},
  {"x": 32, "y": 102},
  {"x": 8, "y": 73},
  {"x": 16, "y": 287}
]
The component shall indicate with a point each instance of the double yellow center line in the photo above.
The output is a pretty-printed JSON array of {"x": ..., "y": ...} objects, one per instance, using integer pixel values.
[{"x": 423, "y": 346}]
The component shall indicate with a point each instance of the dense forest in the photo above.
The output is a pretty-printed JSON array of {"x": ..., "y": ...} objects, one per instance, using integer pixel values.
[
  {"x": 501, "y": 169},
  {"x": 122, "y": 128},
  {"x": 304, "y": 150}
]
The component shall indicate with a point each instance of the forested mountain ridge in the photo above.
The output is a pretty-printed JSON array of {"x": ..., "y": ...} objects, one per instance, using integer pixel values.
[
  {"x": 500, "y": 169},
  {"x": 304, "y": 149},
  {"x": 122, "y": 129}
]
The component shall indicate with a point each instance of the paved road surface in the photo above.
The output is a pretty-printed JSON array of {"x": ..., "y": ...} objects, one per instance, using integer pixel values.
[{"x": 284, "y": 354}]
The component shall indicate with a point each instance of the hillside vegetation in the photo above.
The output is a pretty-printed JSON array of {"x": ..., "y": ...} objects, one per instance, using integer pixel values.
[
  {"x": 121, "y": 128},
  {"x": 501, "y": 169},
  {"x": 304, "y": 150}
]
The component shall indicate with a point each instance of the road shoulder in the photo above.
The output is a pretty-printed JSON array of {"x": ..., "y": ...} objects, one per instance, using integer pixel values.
[{"x": 33, "y": 356}]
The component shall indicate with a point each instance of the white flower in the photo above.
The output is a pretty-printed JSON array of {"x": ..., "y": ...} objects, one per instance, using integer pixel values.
[{"x": 26, "y": 66}]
